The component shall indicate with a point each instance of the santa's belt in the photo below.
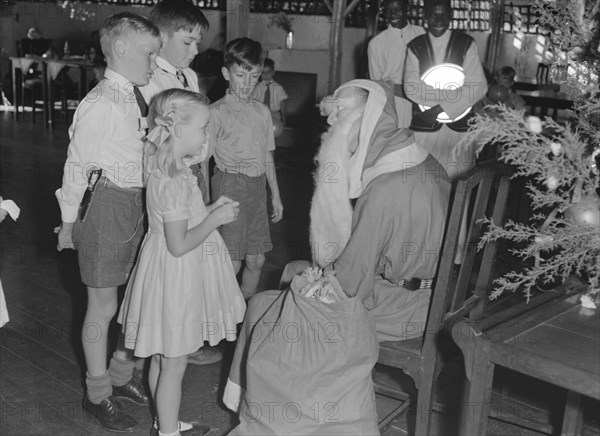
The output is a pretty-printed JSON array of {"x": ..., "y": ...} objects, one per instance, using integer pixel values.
[
  {"x": 413, "y": 284},
  {"x": 399, "y": 90}
]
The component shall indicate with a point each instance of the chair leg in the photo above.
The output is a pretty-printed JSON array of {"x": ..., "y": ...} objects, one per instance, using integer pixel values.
[
  {"x": 22, "y": 99},
  {"x": 33, "y": 97},
  {"x": 425, "y": 402}
]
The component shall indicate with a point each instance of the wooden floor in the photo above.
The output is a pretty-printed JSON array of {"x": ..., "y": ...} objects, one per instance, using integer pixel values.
[{"x": 41, "y": 365}]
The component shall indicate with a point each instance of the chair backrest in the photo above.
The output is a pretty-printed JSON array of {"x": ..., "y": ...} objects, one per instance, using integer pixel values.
[
  {"x": 461, "y": 290},
  {"x": 302, "y": 90},
  {"x": 542, "y": 73},
  {"x": 33, "y": 46}
]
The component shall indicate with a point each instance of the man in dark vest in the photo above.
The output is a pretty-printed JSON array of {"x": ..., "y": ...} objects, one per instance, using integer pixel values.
[{"x": 447, "y": 101}]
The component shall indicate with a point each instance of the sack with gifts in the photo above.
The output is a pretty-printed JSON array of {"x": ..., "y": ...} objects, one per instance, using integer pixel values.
[{"x": 303, "y": 363}]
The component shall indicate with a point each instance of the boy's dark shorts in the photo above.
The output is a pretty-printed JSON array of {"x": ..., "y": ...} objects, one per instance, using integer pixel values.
[
  {"x": 108, "y": 242},
  {"x": 249, "y": 234}
]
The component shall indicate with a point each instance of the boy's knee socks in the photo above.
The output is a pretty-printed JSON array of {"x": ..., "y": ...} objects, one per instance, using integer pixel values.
[
  {"x": 120, "y": 371},
  {"x": 98, "y": 388}
]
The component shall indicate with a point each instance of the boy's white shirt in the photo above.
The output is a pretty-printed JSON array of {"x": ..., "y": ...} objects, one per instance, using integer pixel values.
[
  {"x": 105, "y": 134},
  {"x": 277, "y": 93},
  {"x": 165, "y": 77}
]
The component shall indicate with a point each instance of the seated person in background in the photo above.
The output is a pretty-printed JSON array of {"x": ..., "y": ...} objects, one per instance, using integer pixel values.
[
  {"x": 271, "y": 93},
  {"x": 505, "y": 77},
  {"x": 34, "y": 33}
]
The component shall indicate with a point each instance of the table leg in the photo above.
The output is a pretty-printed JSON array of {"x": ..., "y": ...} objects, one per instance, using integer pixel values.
[
  {"x": 82, "y": 83},
  {"x": 45, "y": 92},
  {"x": 50, "y": 103},
  {"x": 16, "y": 70},
  {"x": 573, "y": 418},
  {"x": 476, "y": 407}
]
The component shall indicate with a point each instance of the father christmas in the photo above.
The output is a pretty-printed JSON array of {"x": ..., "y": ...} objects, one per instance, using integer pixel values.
[{"x": 393, "y": 235}]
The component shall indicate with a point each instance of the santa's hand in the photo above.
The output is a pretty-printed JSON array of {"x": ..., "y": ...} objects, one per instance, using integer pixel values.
[{"x": 430, "y": 115}]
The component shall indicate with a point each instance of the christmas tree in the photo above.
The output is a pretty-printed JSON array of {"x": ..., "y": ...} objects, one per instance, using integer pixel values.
[{"x": 561, "y": 161}]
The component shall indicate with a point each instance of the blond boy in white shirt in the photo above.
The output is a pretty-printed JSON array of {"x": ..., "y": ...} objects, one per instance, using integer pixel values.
[{"x": 105, "y": 157}]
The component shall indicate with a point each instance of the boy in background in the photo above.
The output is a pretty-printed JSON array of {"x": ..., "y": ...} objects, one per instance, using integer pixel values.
[
  {"x": 182, "y": 27},
  {"x": 271, "y": 93}
]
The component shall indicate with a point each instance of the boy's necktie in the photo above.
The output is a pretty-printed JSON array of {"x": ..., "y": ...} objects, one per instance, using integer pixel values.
[
  {"x": 267, "y": 99},
  {"x": 141, "y": 101},
  {"x": 182, "y": 79}
]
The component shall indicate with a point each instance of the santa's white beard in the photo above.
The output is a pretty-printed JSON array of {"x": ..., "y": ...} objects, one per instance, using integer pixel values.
[{"x": 331, "y": 210}]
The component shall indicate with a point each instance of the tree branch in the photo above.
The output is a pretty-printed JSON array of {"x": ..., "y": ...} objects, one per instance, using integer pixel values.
[{"x": 328, "y": 4}]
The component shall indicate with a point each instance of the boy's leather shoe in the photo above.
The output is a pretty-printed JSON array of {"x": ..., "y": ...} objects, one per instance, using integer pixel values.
[
  {"x": 108, "y": 415},
  {"x": 196, "y": 430},
  {"x": 205, "y": 356},
  {"x": 132, "y": 391}
]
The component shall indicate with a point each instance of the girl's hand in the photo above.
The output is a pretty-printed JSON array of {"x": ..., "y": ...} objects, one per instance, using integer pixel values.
[
  {"x": 226, "y": 213},
  {"x": 65, "y": 238},
  {"x": 277, "y": 209},
  {"x": 222, "y": 200}
]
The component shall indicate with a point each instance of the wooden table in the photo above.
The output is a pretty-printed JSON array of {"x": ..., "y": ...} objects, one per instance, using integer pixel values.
[
  {"x": 55, "y": 66},
  {"x": 51, "y": 68},
  {"x": 558, "y": 342},
  {"x": 546, "y": 99}
]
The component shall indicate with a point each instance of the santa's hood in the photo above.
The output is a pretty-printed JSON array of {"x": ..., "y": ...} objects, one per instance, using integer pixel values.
[
  {"x": 382, "y": 148},
  {"x": 379, "y": 136}
]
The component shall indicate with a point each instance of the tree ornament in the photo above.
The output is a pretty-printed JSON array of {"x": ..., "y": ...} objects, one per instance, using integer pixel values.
[
  {"x": 534, "y": 124},
  {"x": 585, "y": 213},
  {"x": 556, "y": 148},
  {"x": 552, "y": 183}
]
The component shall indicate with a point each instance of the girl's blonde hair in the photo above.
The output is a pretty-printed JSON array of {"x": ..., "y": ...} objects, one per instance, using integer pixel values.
[{"x": 166, "y": 109}]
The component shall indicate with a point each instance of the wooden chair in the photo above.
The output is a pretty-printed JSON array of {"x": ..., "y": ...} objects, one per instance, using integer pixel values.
[
  {"x": 459, "y": 290},
  {"x": 541, "y": 73}
]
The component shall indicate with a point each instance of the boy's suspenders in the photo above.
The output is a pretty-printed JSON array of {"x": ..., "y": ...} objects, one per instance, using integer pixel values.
[{"x": 457, "y": 48}]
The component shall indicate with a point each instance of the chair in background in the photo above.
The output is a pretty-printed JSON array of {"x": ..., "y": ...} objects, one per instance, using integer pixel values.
[
  {"x": 542, "y": 73},
  {"x": 33, "y": 87},
  {"x": 31, "y": 80},
  {"x": 459, "y": 291}
]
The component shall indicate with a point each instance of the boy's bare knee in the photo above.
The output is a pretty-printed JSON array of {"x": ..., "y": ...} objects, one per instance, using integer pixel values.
[
  {"x": 255, "y": 261},
  {"x": 237, "y": 265},
  {"x": 103, "y": 301}
]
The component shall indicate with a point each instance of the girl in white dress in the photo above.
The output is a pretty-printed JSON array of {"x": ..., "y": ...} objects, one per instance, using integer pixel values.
[{"x": 183, "y": 289}]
